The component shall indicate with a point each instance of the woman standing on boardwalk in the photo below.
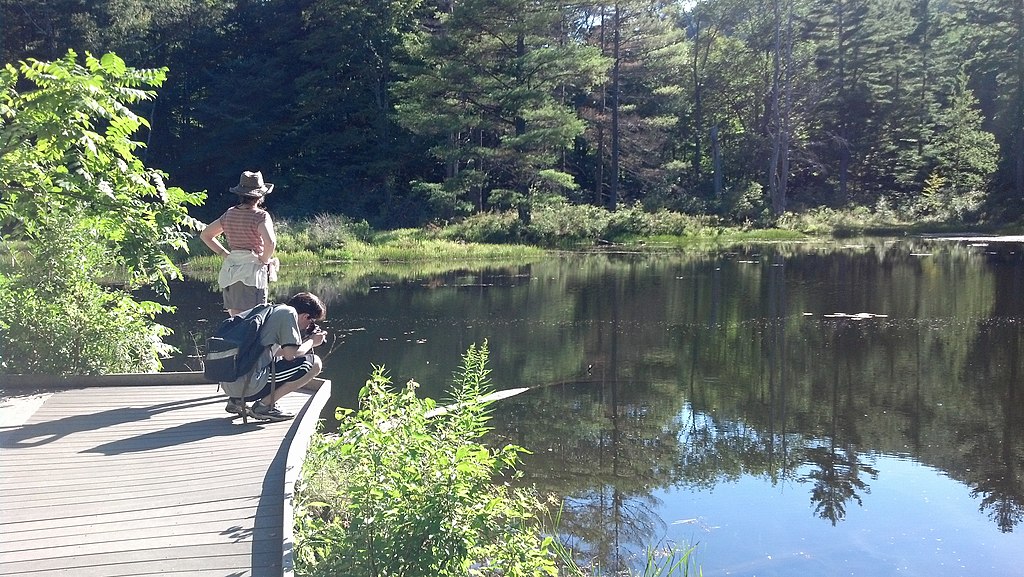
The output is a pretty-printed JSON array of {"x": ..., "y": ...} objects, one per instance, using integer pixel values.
[{"x": 249, "y": 264}]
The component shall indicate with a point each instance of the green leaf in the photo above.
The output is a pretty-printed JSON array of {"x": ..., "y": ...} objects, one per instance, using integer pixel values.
[{"x": 113, "y": 64}]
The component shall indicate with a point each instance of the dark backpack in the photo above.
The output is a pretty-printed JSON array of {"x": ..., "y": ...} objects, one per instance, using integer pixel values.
[{"x": 234, "y": 348}]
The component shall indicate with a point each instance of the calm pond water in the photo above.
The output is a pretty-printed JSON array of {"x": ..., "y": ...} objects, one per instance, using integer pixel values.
[{"x": 735, "y": 400}]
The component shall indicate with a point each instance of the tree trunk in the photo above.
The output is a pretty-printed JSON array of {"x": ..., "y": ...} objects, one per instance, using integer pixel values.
[
  {"x": 1018, "y": 139},
  {"x": 781, "y": 107},
  {"x": 613, "y": 193},
  {"x": 716, "y": 162},
  {"x": 602, "y": 107},
  {"x": 698, "y": 103},
  {"x": 843, "y": 140}
]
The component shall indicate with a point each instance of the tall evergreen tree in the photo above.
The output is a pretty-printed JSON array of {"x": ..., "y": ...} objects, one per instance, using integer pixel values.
[
  {"x": 350, "y": 158},
  {"x": 910, "y": 124},
  {"x": 963, "y": 156},
  {"x": 632, "y": 117},
  {"x": 990, "y": 35},
  {"x": 486, "y": 89},
  {"x": 730, "y": 78},
  {"x": 837, "y": 29}
]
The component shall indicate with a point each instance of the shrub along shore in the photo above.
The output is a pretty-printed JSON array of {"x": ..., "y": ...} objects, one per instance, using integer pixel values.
[{"x": 501, "y": 236}]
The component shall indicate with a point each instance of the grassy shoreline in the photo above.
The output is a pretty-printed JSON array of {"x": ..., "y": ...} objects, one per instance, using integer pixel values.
[
  {"x": 502, "y": 237},
  {"x": 336, "y": 240},
  {"x": 391, "y": 252}
]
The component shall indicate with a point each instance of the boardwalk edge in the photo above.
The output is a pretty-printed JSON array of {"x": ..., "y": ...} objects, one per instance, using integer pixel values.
[{"x": 307, "y": 423}]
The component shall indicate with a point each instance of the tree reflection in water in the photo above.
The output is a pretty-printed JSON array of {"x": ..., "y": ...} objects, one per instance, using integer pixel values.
[
  {"x": 836, "y": 480},
  {"x": 836, "y": 476},
  {"x": 729, "y": 373}
]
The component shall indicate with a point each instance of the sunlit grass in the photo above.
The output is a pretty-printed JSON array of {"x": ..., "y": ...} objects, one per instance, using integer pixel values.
[
  {"x": 407, "y": 250},
  {"x": 392, "y": 251},
  {"x": 501, "y": 237}
]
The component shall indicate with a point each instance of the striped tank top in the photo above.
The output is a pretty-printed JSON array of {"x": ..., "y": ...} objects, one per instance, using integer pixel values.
[{"x": 241, "y": 227}]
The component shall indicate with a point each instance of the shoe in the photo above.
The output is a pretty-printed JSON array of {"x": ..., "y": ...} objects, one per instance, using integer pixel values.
[
  {"x": 265, "y": 413},
  {"x": 235, "y": 406}
]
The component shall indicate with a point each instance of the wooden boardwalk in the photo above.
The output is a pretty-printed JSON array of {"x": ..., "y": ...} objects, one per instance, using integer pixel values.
[{"x": 149, "y": 480}]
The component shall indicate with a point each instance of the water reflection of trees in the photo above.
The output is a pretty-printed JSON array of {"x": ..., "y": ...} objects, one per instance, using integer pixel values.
[
  {"x": 836, "y": 471},
  {"x": 753, "y": 386},
  {"x": 711, "y": 367},
  {"x": 993, "y": 429},
  {"x": 836, "y": 480},
  {"x": 603, "y": 448}
]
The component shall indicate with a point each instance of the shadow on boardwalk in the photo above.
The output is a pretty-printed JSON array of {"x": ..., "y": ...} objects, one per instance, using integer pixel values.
[
  {"x": 126, "y": 480},
  {"x": 35, "y": 434}
]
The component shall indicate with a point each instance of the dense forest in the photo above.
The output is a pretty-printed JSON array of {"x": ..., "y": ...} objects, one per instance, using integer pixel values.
[{"x": 403, "y": 112}]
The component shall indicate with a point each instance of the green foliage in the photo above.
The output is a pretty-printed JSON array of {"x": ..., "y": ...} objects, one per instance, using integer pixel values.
[
  {"x": 559, "y": 224},
  {"x": 403, "y": 490},
  {"x": 323, "y": 231},
  {"x": 747, "y": 203},
  {"x": 83, "y": 209},
  {"x": 828, "y": 221},
  {"x": 402, "y": 113},
  {"x": 965, "y": 157},
  {"x": 447, "y": 198},
  {"x": 932, "y": 199},
  {"x": 492, "y": 105},
  {"x": 66, "y": 146},
  {"x": 631, "y": 220},
  {"x": 489, "y": 227},
  {"x": 56, "y": 318},
  {"x": 354, "y": 243}
]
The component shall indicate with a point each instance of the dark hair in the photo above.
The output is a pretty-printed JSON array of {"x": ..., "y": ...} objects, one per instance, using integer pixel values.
[
  {"x": 309, "y": 304},
  {"x": 256, "y": 201}
]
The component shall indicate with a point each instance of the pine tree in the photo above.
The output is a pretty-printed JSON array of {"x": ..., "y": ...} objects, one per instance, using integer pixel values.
[
  {"x": 990, "y": 37},
  {"x": 487, "y": 88},
  {"x": 963, "y": 156},
  {"x": 633, "y": 116},
  {"x": 837, "y": 29}
]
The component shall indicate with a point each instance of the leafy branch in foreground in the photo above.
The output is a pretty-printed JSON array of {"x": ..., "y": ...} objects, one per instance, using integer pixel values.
[
  {"x": 396, "y": 492},
  {"x": 66, "y": 146},
  {"x": 78, "y": 208}
]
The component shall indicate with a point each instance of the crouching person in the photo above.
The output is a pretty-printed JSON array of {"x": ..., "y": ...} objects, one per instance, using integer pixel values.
[{"x": 288, "y": 335}]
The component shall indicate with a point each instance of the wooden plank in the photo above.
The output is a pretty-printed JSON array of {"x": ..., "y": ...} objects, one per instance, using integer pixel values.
[
  {"x": 112, "y": 380},
  {"x": 188, "y": 560},
  {"x": 141, "y": 528},
  {"x": 237, "y": 510},
  {"x": 215, "y": 475},
  {"x": 113, "y": 504},
  {"x": 203, "y": 540},
  {"x": 143, "y": 480}
]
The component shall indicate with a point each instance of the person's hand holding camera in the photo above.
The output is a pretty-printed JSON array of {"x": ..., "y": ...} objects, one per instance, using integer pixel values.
[{"x": 317, "y": 334}]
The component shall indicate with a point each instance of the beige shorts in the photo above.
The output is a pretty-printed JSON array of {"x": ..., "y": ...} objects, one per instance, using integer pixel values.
[{"x": 242, "y": 297}]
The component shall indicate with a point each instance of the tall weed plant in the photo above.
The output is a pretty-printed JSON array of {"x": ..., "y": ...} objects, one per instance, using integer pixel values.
[
  {"x": 323, "y": 231},
  {"x": 404, "y": 489}
]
